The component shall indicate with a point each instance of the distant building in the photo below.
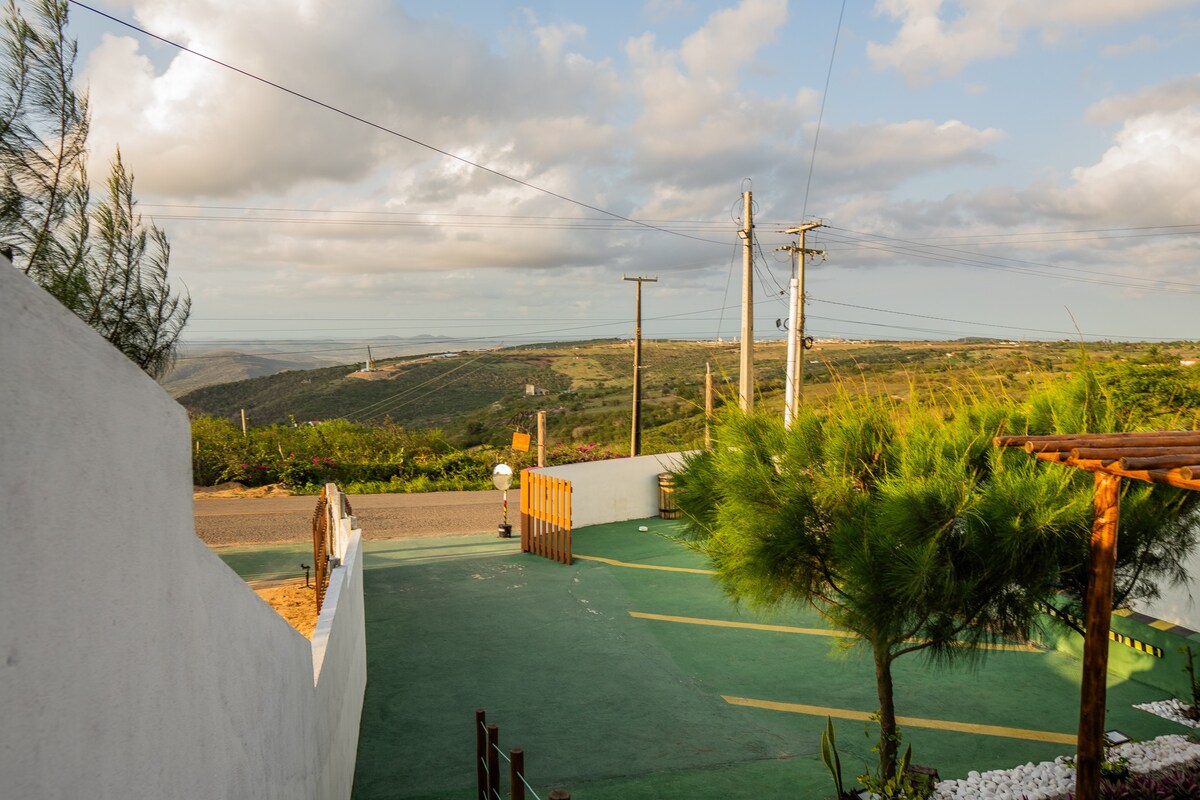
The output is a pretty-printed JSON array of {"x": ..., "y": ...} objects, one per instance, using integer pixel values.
[
  {"x": 534, "y": 391},
  {"x": 1189, "y": 362}
]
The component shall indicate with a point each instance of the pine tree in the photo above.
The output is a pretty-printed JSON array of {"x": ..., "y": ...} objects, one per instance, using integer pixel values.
[
  {"x": 100, "y": 262},
  {"x": 904, "y": 527}
]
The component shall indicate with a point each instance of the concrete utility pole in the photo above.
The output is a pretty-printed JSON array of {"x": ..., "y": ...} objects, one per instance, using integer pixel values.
[
  {"x": 794, "y": 380},
  {"x": 635, "y": 438},
  {"x": 746, "y": 370}
]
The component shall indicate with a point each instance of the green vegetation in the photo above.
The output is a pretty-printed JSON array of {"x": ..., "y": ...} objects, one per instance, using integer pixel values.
[
  {"x": 360, "y": 458},
  {"x": 429, "y": 407},
  {"x": 904, "y": 526},
  {"x": 478, "y": 399}
]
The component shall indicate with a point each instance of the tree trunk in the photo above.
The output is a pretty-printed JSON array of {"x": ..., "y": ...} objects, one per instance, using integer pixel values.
[{"x": 888, "y": 740}]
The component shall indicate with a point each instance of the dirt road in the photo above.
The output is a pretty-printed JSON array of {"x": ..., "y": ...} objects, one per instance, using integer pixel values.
[{"x": 263, "y": 520}]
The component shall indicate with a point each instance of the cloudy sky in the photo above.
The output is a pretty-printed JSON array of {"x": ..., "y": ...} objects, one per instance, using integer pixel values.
[{"x": 1008, "y": 168}]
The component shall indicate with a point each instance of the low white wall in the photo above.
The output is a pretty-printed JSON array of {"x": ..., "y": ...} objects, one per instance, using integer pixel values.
[
  {"x": 133, "y": 663},
  {"x": 614, "y": 490},
  {"x": 1178, "y": 604}
]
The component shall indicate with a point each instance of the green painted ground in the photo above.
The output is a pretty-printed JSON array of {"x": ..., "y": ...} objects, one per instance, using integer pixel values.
[
  {"x": 267, "y": 562},
  {"x": 611, "y": 707}
]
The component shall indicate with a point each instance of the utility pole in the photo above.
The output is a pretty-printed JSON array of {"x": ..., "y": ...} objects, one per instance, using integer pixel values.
[
  {"x": 541, "y": 434},
  {"x": 797, "y": 343},
  {"x": 708, "y": 405},
  {"x": 635, "y": 438},
  {"x": 746, "y": 373}
]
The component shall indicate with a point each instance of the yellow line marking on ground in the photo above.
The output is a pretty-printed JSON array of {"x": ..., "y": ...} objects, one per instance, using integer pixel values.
[
  {"x": 758, "y": 626},
  {"x": 754, "y": 626},
  {"x": 1162, "y": 624},
  {"x": 916, "y": 722},
  {"x": 1122, "y": 612},
  {"x": 614, "y": 563}
]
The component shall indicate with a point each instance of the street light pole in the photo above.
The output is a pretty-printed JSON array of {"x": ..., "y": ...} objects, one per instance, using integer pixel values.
[{"x": 635, "y": 437}]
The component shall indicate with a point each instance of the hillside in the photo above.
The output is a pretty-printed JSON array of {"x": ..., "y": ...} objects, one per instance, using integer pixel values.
[
  {"x": 201, "y": 364},
  {"x": 479, "y": 397},
  {"x": 227, "y": 366}
]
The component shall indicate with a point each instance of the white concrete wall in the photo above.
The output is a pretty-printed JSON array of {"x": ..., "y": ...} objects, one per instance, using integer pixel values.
[
  {"x": 133, "y": 663},
  {"x": 614, "y": 490},
  {"x": 1178, "y": 604}
]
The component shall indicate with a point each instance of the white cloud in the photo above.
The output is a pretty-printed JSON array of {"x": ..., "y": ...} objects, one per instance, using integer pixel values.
[
  {"x": 196, "y": 128},
  {"x": 1175, "y": 95},
  {"x": 938, "y": 39},
  {"x": 1142, "y": 44}
]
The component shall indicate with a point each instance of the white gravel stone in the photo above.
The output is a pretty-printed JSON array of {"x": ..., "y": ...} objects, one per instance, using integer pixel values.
[
  {"x": 1051, "y": 780},
  {"x": 1170, "y": 709}
]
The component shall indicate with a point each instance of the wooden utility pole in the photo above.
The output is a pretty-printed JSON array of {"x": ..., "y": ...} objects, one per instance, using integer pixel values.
[
  {"x": 635, "y": 437},
  {"x": 794, "y": 381},
  {"x": 746, "y": 374},
  {"x": 541, "y": 422},
  {"x": 244, "y": 434}
]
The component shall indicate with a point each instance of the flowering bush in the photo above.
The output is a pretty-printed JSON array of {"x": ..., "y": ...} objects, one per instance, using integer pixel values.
[{"x": 360, "y": 458}]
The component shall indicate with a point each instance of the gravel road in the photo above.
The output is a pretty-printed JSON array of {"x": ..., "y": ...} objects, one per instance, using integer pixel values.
[{"x": 265, "y": 520}]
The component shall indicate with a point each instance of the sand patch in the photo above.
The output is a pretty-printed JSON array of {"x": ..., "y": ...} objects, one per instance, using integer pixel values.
[{"x": 295, "y": 602}]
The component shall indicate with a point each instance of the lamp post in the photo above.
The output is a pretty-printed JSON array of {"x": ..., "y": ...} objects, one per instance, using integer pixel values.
[{"x": 502, "y": 478}]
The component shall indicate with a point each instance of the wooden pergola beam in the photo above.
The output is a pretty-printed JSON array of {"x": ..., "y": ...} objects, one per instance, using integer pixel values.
[{"x": 1067, "y": 442}]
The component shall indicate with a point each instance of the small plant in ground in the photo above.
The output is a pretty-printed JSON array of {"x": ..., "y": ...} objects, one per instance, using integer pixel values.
[
  {"x": 1182, "y": 783},
  {"x": 903, "y": 784},
  {"x": 829, "y": 756},
  {"x": 1114, "y": 769}
]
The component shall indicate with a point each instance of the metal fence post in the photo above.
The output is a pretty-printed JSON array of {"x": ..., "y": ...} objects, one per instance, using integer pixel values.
[
  {"x": 493, "y": 761},
  {"x": 480, "y": 753},
  {"x": 516, "y": 778}
]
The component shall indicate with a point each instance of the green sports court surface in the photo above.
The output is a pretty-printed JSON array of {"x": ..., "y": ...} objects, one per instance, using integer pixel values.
[{"x": 629, "y": 675}]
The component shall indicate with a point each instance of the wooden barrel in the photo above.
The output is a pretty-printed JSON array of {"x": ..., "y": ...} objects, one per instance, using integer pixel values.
[{"x": 667, "y": 508}]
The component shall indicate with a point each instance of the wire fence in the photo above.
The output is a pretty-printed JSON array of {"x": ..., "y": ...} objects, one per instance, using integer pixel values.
[{"x": 488, "y": 770}]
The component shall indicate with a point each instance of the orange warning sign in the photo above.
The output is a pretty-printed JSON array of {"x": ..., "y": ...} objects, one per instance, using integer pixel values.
[{"x": 521, "y": 442}]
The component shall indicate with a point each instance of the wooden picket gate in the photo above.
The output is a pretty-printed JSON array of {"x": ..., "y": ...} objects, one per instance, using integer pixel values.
[{"x": 545, "y": 516}]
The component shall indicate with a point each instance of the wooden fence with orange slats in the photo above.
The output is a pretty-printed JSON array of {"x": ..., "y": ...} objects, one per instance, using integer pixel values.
[{"x": 545, "y": 516}]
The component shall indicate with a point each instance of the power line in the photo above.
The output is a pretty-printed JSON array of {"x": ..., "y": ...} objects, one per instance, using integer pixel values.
[
  {"x": 385, "y": 129},
  {"x": 366, "y": 212},
  {"x": 977, "y": 323},
  {"x": 984, "y": 261},
  {"x": 821, "y": 115}
]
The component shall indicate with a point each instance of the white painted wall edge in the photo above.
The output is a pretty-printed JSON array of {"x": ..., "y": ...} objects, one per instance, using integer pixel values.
[{"x": 339, "y": 577}]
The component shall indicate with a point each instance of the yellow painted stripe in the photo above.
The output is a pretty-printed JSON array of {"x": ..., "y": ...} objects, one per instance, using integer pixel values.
[
  {"x": 1122, "y": 612},
  {"x": 1162, "y": 624},
  {"x": 916, "y": 722},
  {"x": 612, "y": 562},
  {"x": 753, "y": 626},
  {"x": 758, "y": 626}
]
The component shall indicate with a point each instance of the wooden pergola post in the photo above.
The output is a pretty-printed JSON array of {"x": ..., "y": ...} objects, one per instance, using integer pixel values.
[
  {"x": 1097, "y": 621},
  {"x": 1170, "y": 458}
]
